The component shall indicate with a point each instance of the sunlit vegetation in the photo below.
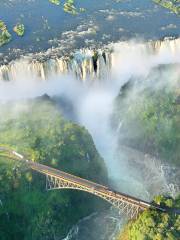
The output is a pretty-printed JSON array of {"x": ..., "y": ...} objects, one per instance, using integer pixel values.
[
  {"x": 37, "y": 130},
  {"x": 5, "y": 36},
  {"x": 56, "y": 2},
  {"x": 69, "y": 6},
  {"x": 150, "y": 120},
  {"x": 19, "y": 29},
  {"x": 155, "y": 225},
  {"x": 2, "y": 25},
  {"x": 172, "y": 5}
]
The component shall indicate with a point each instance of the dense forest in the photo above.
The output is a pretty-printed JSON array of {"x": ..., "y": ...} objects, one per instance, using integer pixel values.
[
  {"x": 37, "y": 129},
  {"x": 154, "y": 225},
  {"x": 148, "y": 114}
]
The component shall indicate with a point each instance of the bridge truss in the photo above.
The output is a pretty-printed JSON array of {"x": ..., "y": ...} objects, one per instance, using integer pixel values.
[
  {"x": 129, "y": 208},
  {"x": 56, "y": 179}
]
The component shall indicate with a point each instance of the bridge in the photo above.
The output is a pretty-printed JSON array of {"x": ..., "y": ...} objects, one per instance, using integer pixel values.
[{"x": 56, "y": 179}]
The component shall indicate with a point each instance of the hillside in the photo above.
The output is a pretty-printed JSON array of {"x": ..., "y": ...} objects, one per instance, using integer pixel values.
[
  {"x": 38, "y": 130},
  {"x": 153, "y": 225}
]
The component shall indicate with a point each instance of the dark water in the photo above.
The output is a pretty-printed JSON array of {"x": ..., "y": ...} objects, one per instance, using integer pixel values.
[{"x": 104, "y": 21}]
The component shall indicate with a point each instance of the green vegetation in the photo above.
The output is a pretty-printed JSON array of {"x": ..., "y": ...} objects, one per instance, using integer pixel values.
[
  {"x": 150, "y": 119},
  {"x": 154, "y": 225},
  {"x": 5, "y": 36},
  {"x": 37, "y": 130},
  {"x": 172, "y": 5},
  {"x": 19, "y": 29},
  {"x": 56, "y": 2},
  {"x": 69, "y": 6},
  {"x": 2, "y": 25}
]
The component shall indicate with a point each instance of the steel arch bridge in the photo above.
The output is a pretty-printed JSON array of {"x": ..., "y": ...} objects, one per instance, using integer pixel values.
[{"x": 56, "y": 179}]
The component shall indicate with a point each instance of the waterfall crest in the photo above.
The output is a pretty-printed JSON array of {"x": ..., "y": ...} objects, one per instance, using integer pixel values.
[{"x": 86, "y": 64}]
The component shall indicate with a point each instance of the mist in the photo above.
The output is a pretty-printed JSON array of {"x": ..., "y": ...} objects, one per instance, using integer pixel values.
[{"x": 93, "y": 101}]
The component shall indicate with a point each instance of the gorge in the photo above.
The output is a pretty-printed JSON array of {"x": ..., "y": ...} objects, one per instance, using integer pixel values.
[
  {"x": 90, "y": 88},
  {"x": 85, "y": 88}
]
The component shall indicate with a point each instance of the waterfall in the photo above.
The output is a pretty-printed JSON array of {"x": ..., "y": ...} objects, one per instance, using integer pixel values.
[{"x": 85, "y": 64}]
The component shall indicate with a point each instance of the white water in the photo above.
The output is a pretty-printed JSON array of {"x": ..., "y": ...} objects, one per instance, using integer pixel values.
[
  {"x": 42, "y": 66},
  {"x": 93, "y": 97}
]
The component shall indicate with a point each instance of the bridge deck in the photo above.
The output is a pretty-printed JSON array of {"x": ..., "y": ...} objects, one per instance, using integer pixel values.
[{"x": 89, "y": 184}]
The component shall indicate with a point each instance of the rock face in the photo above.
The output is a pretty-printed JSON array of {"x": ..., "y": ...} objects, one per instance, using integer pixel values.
[{"x": 36, "y": 129}]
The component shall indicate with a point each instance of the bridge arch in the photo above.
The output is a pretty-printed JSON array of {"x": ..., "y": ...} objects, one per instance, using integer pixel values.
[
  {"x": 130, "y": 209},
  {"x": 56, "y": 179}
]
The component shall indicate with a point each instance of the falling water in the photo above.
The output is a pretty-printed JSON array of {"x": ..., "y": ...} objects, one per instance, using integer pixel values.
[
  {"x": 91, "y": 79},
  {"x": 87, "y": 64}
]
